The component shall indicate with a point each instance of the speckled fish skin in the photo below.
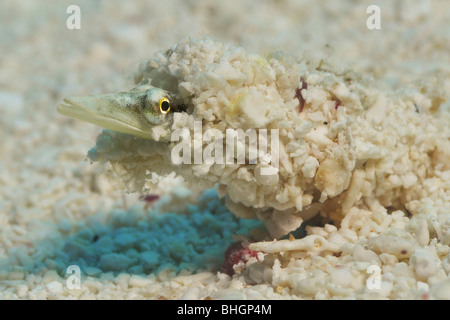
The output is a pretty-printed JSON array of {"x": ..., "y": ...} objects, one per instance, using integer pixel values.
[
  {"x": 351, "y": 144},
  {"x": 133, "y": 112}
]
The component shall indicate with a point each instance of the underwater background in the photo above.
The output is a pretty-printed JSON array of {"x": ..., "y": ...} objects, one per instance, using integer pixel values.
[{"x": 57, "y": 209}]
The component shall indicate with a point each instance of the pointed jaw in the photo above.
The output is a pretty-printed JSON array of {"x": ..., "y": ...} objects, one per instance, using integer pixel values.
[{"x": 117, "y": 112}]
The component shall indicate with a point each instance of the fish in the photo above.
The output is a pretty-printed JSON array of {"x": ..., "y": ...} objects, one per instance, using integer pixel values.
[{"x": 353, "y": 144}]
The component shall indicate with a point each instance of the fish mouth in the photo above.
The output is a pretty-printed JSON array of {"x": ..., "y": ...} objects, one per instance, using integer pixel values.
[{"x": 106, "y": 112}]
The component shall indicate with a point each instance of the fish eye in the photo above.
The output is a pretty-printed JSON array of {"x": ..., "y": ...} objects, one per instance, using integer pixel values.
[{"x": 164, "y": 105}]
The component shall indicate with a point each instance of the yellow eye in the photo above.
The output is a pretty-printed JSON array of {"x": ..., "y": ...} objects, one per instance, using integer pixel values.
[{"x": 164, "y": 105}]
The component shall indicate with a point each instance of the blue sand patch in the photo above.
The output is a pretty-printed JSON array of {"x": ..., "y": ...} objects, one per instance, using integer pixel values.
[{"x": 139, "y": 242}]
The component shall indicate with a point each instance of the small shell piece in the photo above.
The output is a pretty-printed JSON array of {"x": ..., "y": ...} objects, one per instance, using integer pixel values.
[
  {"x": 312, "y": 243},
  {"x": 332, "y": 177},
  {"x": 424, "y": 264},
  {"x": 399, "y": 247}
]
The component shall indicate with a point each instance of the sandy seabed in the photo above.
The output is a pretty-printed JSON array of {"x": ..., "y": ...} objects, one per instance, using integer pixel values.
[{"x": 57, "y": 209}]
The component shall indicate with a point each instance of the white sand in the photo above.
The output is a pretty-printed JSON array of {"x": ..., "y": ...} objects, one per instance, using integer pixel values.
[{"x": 48, "y": 191}]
